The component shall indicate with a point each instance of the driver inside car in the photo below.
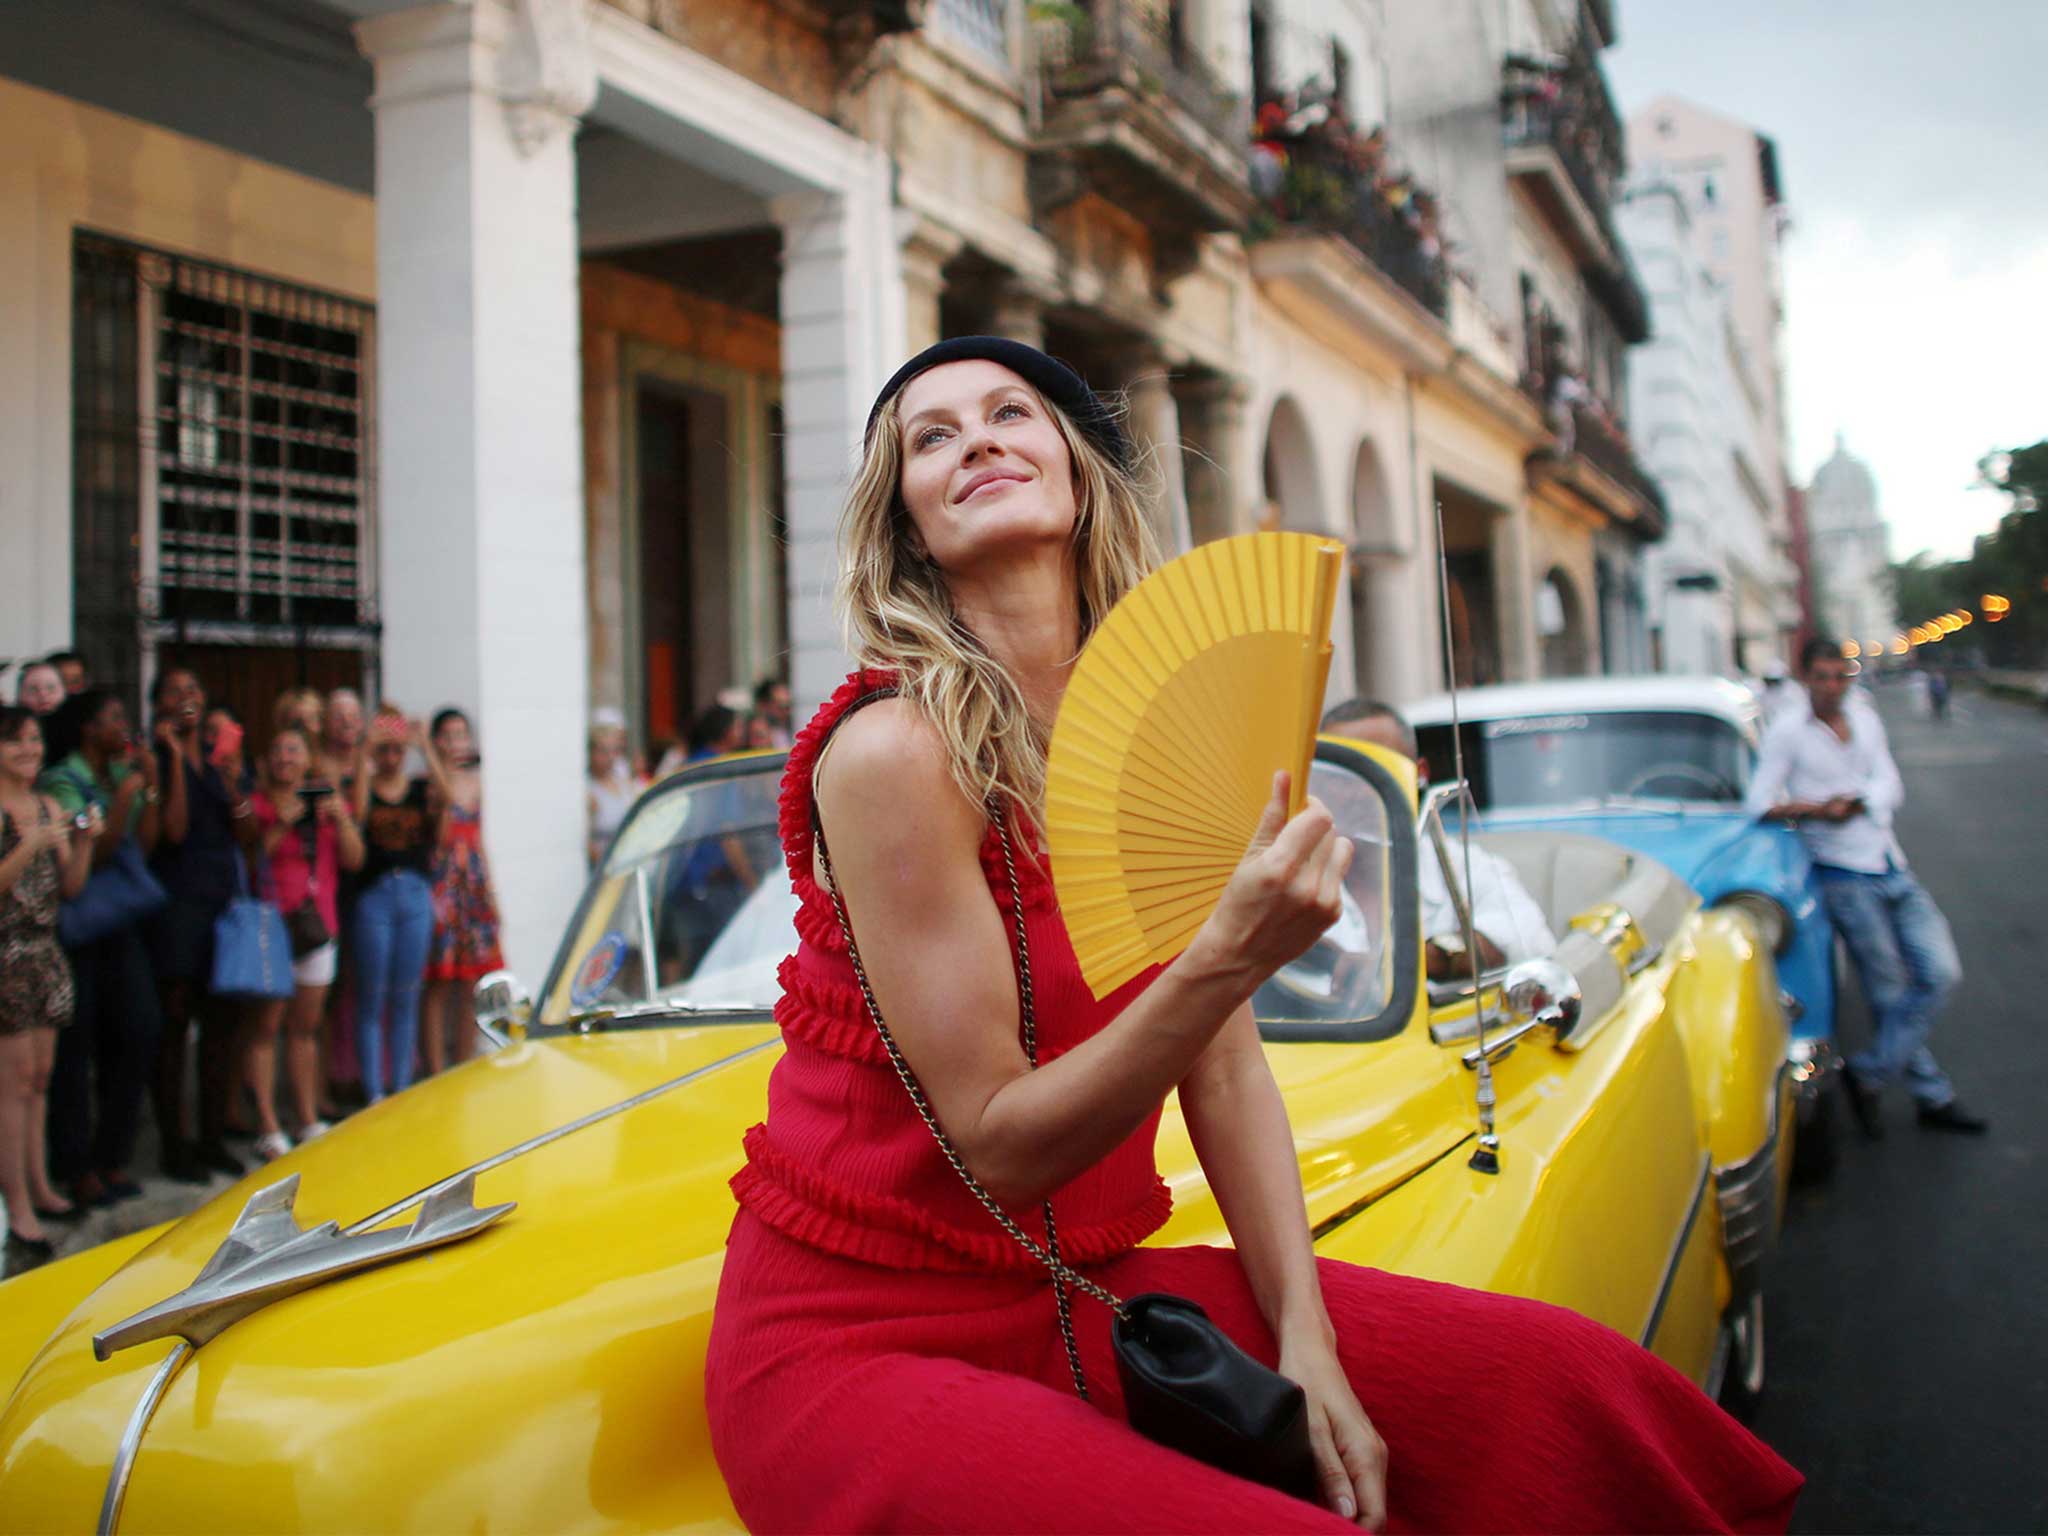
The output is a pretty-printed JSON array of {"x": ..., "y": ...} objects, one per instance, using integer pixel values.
[{"x": 1506, "y": 920}]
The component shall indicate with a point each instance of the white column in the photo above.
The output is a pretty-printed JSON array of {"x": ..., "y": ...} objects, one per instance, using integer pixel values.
[
  {"x": 843, "y": 332},
  {"x": 1155, "y": 429},
  {"x": 480, "y": 474}
]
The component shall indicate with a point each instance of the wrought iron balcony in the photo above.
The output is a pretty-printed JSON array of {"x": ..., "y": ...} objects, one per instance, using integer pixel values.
[
  {"x": 1333, "y": 180},
  {"x": 1564, "y": 141},
  {"x": 1133, "y": 113},
  {"x": 1608, "y": 449}
]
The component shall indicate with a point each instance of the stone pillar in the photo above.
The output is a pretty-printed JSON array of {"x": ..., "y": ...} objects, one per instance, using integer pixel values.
[
  {"x": 1514, "y": 586},
  {"x": 1154, "y": 424},
  {"x": 479, "y": 473},
  {"x": 1018, "y": 312},
  {"x": 926, "y": 250},
  {"x": 844, "y": 330},
  {"x": 1219, "y": 471}
]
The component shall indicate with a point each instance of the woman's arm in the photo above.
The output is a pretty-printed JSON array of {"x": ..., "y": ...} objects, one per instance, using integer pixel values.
[
  {"x": 150, "y": 827},
  {"x": 75, "y": 868},
  {"x": 348, "y": 836},
  {"x": 905, "y": 845},
  {"x": 177, "y": 810},
  {"x": 1238, "y": 1123},
  {"x": 437, "y": 771}
]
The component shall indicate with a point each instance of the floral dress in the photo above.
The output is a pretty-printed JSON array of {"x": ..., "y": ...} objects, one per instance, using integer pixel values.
[
  {"x": 465, "y": 911},
  {"x": 35, "y": 978}
]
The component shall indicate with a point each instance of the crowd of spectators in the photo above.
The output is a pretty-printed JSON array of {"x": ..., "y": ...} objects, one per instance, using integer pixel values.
[{"x": 122, "y": 848}]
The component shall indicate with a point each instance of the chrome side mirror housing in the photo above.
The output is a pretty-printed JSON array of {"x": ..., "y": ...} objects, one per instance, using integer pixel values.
[
  {"x": 1545, "y": 993},
  {"x": 502, "y": 1007}
]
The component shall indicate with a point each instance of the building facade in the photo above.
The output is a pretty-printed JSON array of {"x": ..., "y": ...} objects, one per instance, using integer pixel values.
[
  {"x": 1722, "y": 589},
  {"x": 1726, "y": 175},
  {"x": 1508, "y": 110},
  {"x": 514, "y": 354},
  {"x": 1852, "y": 553}
]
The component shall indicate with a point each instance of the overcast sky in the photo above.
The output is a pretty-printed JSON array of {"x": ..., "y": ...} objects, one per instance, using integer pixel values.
[{"x": 1911, "y": 145}]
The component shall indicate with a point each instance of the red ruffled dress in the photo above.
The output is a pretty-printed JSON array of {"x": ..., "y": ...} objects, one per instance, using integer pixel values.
[{"x": 883, "y": 1358}]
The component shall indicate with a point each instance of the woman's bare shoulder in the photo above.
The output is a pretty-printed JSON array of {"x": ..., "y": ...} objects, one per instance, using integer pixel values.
[{"x": 888, "y": 761}]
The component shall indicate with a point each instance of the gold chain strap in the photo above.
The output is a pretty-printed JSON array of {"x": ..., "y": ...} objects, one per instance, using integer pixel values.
[{"x": 1049, "y": 1255}]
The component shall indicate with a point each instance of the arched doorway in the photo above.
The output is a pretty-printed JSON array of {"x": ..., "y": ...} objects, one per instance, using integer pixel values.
[
  {"x": 1561, "y": 625},
  {"x": 1294, "y": 500}
]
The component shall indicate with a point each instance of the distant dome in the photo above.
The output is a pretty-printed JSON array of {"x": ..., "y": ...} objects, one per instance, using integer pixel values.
[{"x": 1844, "y": 483}]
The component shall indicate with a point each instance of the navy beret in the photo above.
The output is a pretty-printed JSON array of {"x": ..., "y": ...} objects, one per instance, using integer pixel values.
[{"x": 1048, "y": 375}]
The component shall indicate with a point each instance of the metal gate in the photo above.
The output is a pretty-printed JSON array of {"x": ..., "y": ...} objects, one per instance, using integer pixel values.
[{"x": 225, "y": 472}]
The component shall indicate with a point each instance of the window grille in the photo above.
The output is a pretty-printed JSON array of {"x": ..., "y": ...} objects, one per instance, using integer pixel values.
[{"x": 226, "y": 424}]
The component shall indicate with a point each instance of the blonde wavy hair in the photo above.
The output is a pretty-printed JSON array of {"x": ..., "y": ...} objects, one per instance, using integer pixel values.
[{"x": 899, "y": 614}]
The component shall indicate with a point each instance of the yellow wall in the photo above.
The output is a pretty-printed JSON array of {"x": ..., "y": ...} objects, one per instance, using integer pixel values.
[{"x": 69, "y": 166}]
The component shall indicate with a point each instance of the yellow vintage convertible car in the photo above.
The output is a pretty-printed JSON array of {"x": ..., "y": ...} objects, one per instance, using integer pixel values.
[{"x": 483, "y": 1304}]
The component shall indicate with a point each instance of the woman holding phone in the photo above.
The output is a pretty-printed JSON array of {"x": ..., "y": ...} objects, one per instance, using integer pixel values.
[
  {"x": 206, "y": 825},
  {"x": 306, "y": 838},
  {"x": 44, "y": 857},
  {"x": 104, "y": 1064}
]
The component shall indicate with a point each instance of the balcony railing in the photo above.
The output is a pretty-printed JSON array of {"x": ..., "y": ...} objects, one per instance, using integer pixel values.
[
  {"x": 1331, "y": 178},
  {"x": 1560, "y": 110},
  {"x": 1607, "y": 447}
]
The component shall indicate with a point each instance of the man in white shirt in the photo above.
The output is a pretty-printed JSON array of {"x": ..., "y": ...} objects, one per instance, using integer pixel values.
[
  {"x": 1506, "y": 921},
  {"x": 1828, "y": 769}
]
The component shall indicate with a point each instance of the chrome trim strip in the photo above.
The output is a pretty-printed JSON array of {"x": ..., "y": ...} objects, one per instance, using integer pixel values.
[
  {"x": 131, "y": 1438},
  {"x": 533, "y": 1143},
  {"x": 1699, "y": 1194}
]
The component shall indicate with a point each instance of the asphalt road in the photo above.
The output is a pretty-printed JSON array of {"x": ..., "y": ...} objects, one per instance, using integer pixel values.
[{"x": 1907, "y": 1327}]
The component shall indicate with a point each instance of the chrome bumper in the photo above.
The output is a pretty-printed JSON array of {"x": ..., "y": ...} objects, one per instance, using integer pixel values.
[{"x": 1748, "y": 1193}]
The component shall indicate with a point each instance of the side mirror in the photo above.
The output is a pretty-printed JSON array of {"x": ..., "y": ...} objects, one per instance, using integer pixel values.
[
  {"x": 502, "y": 1007},
  {"x": 1544, "y": 993}
]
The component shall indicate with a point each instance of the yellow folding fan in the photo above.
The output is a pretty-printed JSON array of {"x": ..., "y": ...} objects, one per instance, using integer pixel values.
[{"x": 1201, "y": 684}]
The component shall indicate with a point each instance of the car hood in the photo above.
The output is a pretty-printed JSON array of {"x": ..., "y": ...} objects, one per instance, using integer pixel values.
[
  {"x": 545, "y": 1373},
  {"x": 412, "y": 1395}
]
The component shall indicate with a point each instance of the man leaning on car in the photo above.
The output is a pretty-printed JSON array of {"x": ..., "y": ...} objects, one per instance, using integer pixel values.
[
  {"x": 1827, "y": 768},
  {"x": 1506, "y": 921}
]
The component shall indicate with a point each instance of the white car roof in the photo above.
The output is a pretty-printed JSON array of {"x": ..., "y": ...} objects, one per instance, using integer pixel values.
[{"x": 1593, "y": 695}]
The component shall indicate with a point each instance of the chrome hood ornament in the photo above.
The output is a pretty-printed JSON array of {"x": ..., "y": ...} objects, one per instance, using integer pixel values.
[{"x": 269, "y": 1256}]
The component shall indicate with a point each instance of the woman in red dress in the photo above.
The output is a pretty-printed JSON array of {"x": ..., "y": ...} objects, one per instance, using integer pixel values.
[{"x": 883, "y": 1356}]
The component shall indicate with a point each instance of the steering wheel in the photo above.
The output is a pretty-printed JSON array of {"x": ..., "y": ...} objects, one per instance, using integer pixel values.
[{"x": 1716, "y": 786}]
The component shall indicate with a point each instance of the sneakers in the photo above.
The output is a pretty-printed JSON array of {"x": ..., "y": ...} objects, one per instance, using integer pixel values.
[
  {"x": 1863, "y": 1103},
  {"x": 1953, "y": 1117},
  {"x": 314, "y": 1128},
  {"x": 272, "y": 1145},
  {"x": 216, "y": 1158}
]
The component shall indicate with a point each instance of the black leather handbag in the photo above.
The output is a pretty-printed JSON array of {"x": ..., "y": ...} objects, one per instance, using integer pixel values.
[{"x": 1186, "y": 1384}]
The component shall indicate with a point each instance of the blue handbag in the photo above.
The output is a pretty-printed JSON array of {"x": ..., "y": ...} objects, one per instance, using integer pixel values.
[
  {"x": 121, "y": 892},
  {"x": 252, "y": 952}
]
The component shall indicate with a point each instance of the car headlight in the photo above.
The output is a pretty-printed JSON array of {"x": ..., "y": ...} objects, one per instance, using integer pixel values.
[{"x": 1773, "y": 922}]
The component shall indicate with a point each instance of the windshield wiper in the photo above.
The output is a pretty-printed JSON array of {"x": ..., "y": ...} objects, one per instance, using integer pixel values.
[{"x": 592, "y": 1019}]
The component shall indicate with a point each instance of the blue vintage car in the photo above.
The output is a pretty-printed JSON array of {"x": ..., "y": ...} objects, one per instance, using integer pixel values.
[{"x": 1660, "y": 765}]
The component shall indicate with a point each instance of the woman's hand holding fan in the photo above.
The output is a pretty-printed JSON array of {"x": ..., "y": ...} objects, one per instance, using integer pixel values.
[
  {"x": 1200, "y": 686},
  {"x": 1284, "y": 896}
]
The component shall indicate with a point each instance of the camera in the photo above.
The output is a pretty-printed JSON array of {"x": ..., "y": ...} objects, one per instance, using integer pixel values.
[{"x": 82, "y": 820}]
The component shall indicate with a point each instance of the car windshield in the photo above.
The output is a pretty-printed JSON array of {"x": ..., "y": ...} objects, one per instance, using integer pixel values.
[
  {"x": 1348, "y": 974},
  {"x": 692, "y": 910},
  {"x": 1559, "y": 759},
  {"x": 691, "y": 907}
]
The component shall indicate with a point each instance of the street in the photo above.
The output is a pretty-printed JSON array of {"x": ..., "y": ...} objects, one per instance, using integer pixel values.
[{"x": 1908, "y": 1353}]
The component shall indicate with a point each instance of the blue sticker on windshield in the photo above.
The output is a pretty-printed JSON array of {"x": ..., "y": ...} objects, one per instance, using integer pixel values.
[{"x": 600, "y": 968}]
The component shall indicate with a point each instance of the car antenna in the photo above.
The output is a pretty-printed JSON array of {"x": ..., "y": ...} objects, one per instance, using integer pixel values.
[{"x": 1486, "y": 1156}]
